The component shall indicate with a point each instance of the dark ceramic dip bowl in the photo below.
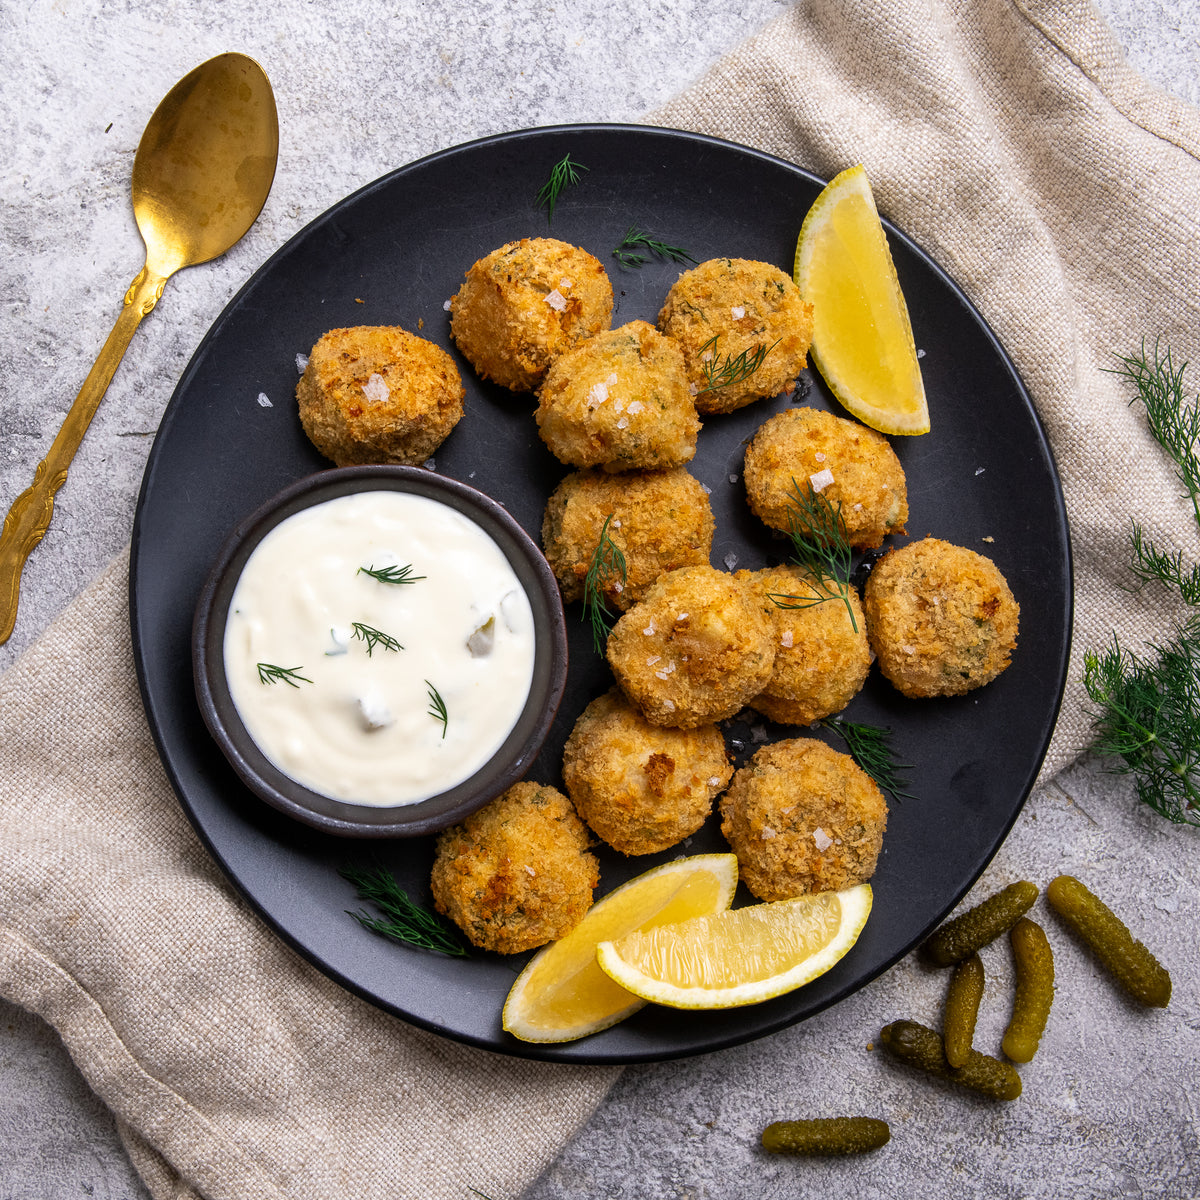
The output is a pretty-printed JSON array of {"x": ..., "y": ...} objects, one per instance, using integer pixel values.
[{"x": 334, "y": 816}]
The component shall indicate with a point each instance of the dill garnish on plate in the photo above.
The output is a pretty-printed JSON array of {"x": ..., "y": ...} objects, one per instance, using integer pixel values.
[{"x": 403, "y": 919}]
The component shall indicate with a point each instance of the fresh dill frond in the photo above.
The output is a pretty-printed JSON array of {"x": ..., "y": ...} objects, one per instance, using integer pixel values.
[
  {"x": 437, "y": 707},
  {"x": 1174, "y": 420},
  {"x": 393, "y": 574},
  {"x": 374, "y": 637},
  {"x": 563, "y": 174},
  {"x": 725, "y": 372},
  {"x": 270, "y": 673},
  {"x": 626, "y": 252},
  {"x": 821, "y": 548},
  {"x": 1148, "y": 718},
  {"x": 870, "y": 747},
  {"x": 607, "y": 560},
  {"x": 403, "y": 919}
]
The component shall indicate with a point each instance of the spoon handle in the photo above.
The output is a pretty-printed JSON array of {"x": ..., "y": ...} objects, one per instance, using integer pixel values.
[{"x": 29, "y": 517}]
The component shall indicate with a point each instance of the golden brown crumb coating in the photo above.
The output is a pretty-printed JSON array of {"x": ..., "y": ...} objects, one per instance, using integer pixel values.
[
  {"x": 642, "y": 787},
  {"x": 517, "y": 873},
  {"x": 619, "y": 400},
  {"x": 822, "y": 657},
  {"x": 746, "y": 306},
  {"x": 661, "y": 520},
  {"x": 695, "y": 649},
  {"x": 941, "y": 618},
  {"x": 522, "y": 305},
  {"x": 850, "y": 465},
  {"x": 376, "y": 394},
  {"x": 803, "y": 818}
]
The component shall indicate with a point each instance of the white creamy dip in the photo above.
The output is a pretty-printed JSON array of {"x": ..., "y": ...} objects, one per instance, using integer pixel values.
[{"x": 356, "y": 718}]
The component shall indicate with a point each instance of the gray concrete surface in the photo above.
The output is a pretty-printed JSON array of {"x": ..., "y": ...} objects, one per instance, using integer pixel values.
[{"x": 1109, "y": 1108}]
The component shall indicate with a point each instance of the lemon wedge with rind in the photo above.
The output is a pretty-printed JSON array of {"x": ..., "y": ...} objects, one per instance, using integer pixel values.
[
  {"x": 862, "y": 339},
  {"x": 562, "y": 994},
  {"x": 741, "y": 956}
]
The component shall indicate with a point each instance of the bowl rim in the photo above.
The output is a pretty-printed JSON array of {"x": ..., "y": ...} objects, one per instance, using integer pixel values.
[{"x": 515, "y": 756}]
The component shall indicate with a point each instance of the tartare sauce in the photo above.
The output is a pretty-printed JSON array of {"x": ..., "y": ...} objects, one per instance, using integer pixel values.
[{"x": 379, "y": 647}]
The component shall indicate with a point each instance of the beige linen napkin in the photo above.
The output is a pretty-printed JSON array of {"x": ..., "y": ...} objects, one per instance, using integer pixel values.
[{"x": 1055, "y": 186}]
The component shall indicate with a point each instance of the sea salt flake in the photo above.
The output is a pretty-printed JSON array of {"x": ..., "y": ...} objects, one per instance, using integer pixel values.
[
  {"x": 819, "y": 456},
  {"x": 920, "y": 353},
  {"x": 566, "y": 283},
  {"x": 822, "y": 839},
  {"x": 649, "y": 629},
  {"x": 714, "y": 781},
  {"x": 767, "y": 833},
  {"x": 680, "y": 617},
  {"x": 669, "y": 705},
  {"x": 785, "y": 639},
  {"x": 599, "y": 393},
  {"x": 636, "y": 407},
  {"x": 821, "y": 480},
  {"x": 623, "y": 423},
  {"x": 530, "y": 872},
  {"x": 737, "y": 312},
  {"x": 653, "y": 659},
  {"x": 301, "y": 363},
  {"x": 263, "y": 401},
  {"x": 556, "y": 300},
  {"x": 375, "y": 390},
  {"x": 733, "y": 479},
  {"x": 730, "y": 561},
  {"x": 445, "y": 306},
  {"x": 980, "y": 470}
]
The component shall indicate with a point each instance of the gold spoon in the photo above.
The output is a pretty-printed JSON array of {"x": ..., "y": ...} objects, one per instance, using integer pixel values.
[{"x": 201, "y": 176}]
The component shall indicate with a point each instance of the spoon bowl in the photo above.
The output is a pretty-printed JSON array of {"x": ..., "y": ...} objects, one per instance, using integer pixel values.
[{"x": 202, "y": 173}]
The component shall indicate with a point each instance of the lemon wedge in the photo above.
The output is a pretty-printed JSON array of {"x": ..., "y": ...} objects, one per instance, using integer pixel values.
[
  {"x": 562, "y": 994},
  {"x": 862, "y": 340},
  {"x": 741, "y": 956}
]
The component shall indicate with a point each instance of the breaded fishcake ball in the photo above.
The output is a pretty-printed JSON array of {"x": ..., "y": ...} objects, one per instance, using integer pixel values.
[
  {"x": 660, "y": 521},
  {"x": 822, "y": 656},
  {"x": 376, "y": 394},
  {"x": 642, "y": 787},
  {"x": 696, "y": 648},
  {"x": 517, "y": 873},
  {"x": 803, "y": 818},
  {"x": 847, "y": 463},
  {"x": 941, "y": 618},
  {"x": 746, "y": 306},
  {"x": 522, "y": 305},
  {"x": 619, "y": 400}
]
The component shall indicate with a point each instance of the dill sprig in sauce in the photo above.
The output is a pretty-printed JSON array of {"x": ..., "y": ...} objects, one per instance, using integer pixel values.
[
  {"x": 1147, "y": 714},
  {"x": 820, "y": 548},
  {"x": 627, "y": 252},
  {"x": 374, "y": 637},
  {"x": 563, "y": 174},
  {"x": 270, "y": 673},
  {"x": 437, "y": 707},
  {"x": 392, "y": 574},
  {"x": 607, "y": 560},
  {"x": 403, "y": 919}
]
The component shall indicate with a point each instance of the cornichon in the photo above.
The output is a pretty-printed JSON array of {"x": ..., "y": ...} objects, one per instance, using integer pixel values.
[
  {"x": 1108, "y": 937},
  {"x": 826, "y": 1135},
  {"x": 920, "y": 1046},
  {"x": 962, "y": 1009},
  {"x": 1034, "y": 991},
  {"x": 960, "y": 937}
]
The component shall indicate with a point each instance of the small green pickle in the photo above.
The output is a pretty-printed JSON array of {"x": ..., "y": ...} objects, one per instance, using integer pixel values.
[
  {"x": 963, "y": 935},
  {"x": 1132, "y": 965},
  {"x": 962, "y": 1009},
  {"x": 1034, "y": 991},
  {"x": 920, "y": 1046},
  {"x": 826, "y": 1135}
]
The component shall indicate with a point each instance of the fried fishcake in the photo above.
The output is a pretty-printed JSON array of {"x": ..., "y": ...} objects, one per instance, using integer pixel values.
[
  {"x": 822, "y": 657},
  {"x": 803, "y": 818},
  {"x": 941, "y": 618},
  {"x": 641, "y": 787},
  {"x": 660, "y": 521},
  {"x": 377, "y": 394},
  {"x": 517, "y": 873},
  {"x": 851, "y": 466},
  {"x": 619, "y": 400},
  {"x": 746, "y": 306},
  {"x": 522, "y": 305},
  {"x": 695, "y": 649}
]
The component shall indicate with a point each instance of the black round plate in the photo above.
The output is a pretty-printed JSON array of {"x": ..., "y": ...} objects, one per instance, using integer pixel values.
[{"x": 394, "y": 253}]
